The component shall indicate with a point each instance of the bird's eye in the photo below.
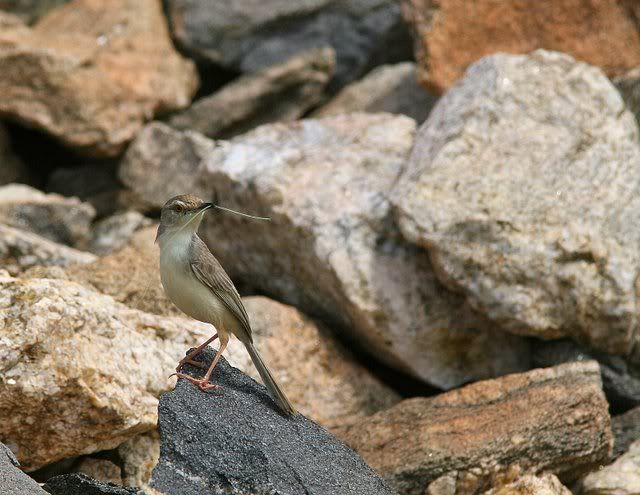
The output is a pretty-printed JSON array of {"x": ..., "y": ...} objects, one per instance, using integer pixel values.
[{"x": 179, "y": 208}]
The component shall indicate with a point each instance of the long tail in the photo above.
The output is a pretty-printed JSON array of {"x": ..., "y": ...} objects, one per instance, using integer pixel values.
[{"x": 274, "y": 389}]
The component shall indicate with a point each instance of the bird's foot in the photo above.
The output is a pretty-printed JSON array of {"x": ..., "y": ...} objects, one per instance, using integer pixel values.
[
  {"x": 186, "y": 360},
  {"x": 202, "y": 384}
]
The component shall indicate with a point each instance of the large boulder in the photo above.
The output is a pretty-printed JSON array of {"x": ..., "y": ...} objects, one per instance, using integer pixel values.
[
  {"x": 236, "y": 440},
  {"x": 449, "y": 35},
  {"x": 248, "y": 36},
  {"x": 71, "y": 75},
  {"x": 282, "y": 92},
  {"x": 331, "y": 247},
  {"x": 85, "y": 370},
  {"x": 523, "y": 186},
  {"x": 547, "y": 420}
]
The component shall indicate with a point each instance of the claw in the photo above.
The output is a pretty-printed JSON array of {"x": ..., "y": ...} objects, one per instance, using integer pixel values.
[{"x": 202, "y": 384}]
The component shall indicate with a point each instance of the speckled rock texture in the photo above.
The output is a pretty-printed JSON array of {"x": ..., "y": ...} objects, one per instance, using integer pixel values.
[
  {"x": 523, "y": 187},
  {"x": 236, "y": 441}
]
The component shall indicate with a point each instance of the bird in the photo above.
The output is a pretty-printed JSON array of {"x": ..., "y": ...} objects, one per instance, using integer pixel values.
[{"x": 198, "y": 285}]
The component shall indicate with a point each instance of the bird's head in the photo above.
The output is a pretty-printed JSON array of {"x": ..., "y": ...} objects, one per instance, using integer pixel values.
[{"x": 181, "y": 213}]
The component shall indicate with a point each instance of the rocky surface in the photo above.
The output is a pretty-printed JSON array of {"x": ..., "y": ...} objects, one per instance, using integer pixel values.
[
  {"x": 86, "y": 370},
  {"x": 103, "y": 470},
  {"x": 620, "y": 478},
  {"x": 282, "y": 92},
  {"x": 547, "y": 420},
  {"x": 522, "y": 185},
  {"x": 60, "y": 219},
  {"x": 626, "y": 430},
  {"x": 139, "y": 456},
  {"x": 30, "y": 10},
  {"x": 71, "y": 74},
  {"x": 449, "y": 36},
  {"x": 248, "y": 36},
  {"x": 114, "y": 232},
  {"x": 12, "y": 168},
  {"x": 20, "y": 250},
  {"x": 546, "y": 484},
  {"x": 236, "y": 440},
  {"x": 12, "y": 480},
  {"x": 79, "y": 484},
  {"x": 388, "y": 88},
  {"x": 333, "y": 251}
]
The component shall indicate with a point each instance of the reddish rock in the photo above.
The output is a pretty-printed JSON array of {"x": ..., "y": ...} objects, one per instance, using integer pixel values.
[
  {"x": 451, "y": 34},
  {"x": 547, "y": 420},
  {"x": 92, "y": 72}
]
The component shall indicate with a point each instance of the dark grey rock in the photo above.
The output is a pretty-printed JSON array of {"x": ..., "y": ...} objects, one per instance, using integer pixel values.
[
  {"x": 235, "y": 440},
  {"x": 12, "y": 480},
  {"x": 246, "y": 35},
  {"x": 80, "y": 484},
  {"x": 626, "y": 430},
  {"x": 620, "y": 378}
]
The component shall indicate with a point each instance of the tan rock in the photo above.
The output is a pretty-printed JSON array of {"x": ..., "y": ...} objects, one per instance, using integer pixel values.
[
  {"x": 547, "y": 420},
  {"x": 60, "y": 219},
  {"x": 620, "y": 478},
  {"x": 450, "y": 35},
  {"x": 139, "y": 456},
  {"x": 388, "y": 88},
  {"x": 100, "y": 469},
  {"x": 87, "y": 371},
  {"x": 90, "y": 73},
  {"x": 114, "y": 232},
  {"x": 333, "y": 251},
  {"x": 20, "y": 250},
  {"x": 547, "y": 484},
  {"x": 282, "y": 92},
  {"x": 522, "y": 186}
]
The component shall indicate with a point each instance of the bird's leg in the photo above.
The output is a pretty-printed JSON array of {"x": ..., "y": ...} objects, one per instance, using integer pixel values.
[
  {"x": 188, "y": 359},
  {"x": 203, "y": 382}
]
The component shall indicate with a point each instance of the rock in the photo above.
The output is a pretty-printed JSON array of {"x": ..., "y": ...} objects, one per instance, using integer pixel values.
[
  {"x": 281, "y": 92},
  {"x": 547, "y": 420},
  {"x": 12, "y": 480},
  {"x": 521, "y": 186},
  {"x": 12, "y": 169},
  {"x": 158, "y": 148},
  {"x": 629, "y": 87},
  {"x": 20, "y": 250},
  {"x": 620, "y": 478},
  {"x": 78, "y": 62},
  {"x": 620, "y": 378},
  {"x": 236, "y": 440},
  {"x": 139, "y": 456},
  {"x": 248, "y": 36},
  {"x": 101, "y": 363},
  {"x": 113, "y": 233},
  {"x": 79, "y": 484},
  {"x": 449, "y": 36},
  {"x": 333, "y": 251},
  {"x": 626, "y": 430},
  {"x": 388, "y": 88},
  {"x": 60, "y": 219},
  {"x": 320, "y": 376},
  {"x": 30, "y": 10},
  {"x": 546, "y": 484},
  {"x": 98, "y": 469}
]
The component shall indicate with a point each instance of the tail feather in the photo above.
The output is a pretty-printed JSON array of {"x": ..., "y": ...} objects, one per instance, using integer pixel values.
[{"x": 272, "y": 386}]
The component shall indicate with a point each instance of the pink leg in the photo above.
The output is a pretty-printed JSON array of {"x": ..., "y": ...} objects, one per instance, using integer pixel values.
[
  {"x": 188, "y": 359},
  {"x": 203, "y": 382}
]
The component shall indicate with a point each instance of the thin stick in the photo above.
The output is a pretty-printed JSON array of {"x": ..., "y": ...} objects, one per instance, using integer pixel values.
[{"x": 241, "y": 214}]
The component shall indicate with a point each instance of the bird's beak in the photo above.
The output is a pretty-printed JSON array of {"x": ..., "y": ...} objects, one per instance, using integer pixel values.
[{"x": 206, "y": 206}]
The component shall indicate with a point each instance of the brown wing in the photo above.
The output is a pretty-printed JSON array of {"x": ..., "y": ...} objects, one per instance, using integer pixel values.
[{"x": 209, "y": 271}]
